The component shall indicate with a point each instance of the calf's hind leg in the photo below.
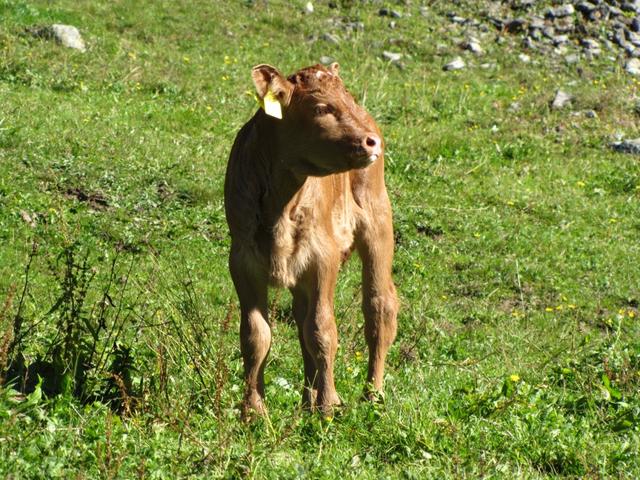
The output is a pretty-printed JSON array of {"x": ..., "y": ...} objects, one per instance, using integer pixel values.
[{"x": 255, "y": 333}]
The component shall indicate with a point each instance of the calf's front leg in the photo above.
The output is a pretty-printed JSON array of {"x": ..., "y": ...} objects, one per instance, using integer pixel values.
[
  {"x": 379, "y": 299},
  {"x": 321, "y": 335},
  {"x": 300, "y": 309}
]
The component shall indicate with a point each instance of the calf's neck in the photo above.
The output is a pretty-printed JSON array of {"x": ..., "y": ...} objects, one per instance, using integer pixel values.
[{"x": 305, "y": 187}]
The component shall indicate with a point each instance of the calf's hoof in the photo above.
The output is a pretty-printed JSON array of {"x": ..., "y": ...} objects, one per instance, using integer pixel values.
[
  {"x": 252, "y": 407},
  {"x": 328, "y": 405},
  {"x": 372, "y": 395}
]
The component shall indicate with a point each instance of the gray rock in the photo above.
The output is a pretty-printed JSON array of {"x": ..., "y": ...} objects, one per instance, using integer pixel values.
[
  {"x": 635, "y": 24},
  {"x": 634, "y": 38},
  {"x": 516, "y": 25},
  {"x": 308, "y": 8},
  {"x": 593, "y": 53},
  {"x": 565, "y": 26},
  {"x": 585, "y": 7},
  {"x": 424, "y": 11},
  {"x": 391, "y": 56},
  {"x": 330, "y": 38},
  {"x": 561, "y": 11},
  {"x": 561, "y": 100},
  {"x": 612, "y": 11},
  {"x": 69, "y": 36},
  {"x": 524, "y": 58},
  {"x": 627, "y": 146},
  {"x": 560, "y": 50},
  {"x": 595, "y": 15},
  {"x": 536, "y": 23},
  {"x": 632, "y": 67},
  {"x": 560, "y": 40},
  {"x": 496, "y": 22},
  {"x": 565, "y": 10},
  {"x": 326, "y": 60},
  {"x": 396, "y": 14},
  {"x": 620, "y": 38},
  {"x": 455, "y": 64},
  {"x": 590, "y": 44},
  {"x": 591, "y": 114},
  {"x": 549, "y": 32},
  {"x": 29, "y": 219},
  {"x": 523, "y": 4},
  {"x": 618, "y": 24},
  {"x": 353, "y": 26},
  {"x": 473, "y": 46},
  {"x": 572, "y": 58},
  {"x": 631, "y": 6}
]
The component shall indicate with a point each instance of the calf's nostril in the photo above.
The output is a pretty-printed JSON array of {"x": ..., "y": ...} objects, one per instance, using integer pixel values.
[{"x": 371, "y": 142}]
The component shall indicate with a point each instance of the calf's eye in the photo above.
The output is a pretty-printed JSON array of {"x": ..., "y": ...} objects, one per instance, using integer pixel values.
[{"x": 323, "y": 109}]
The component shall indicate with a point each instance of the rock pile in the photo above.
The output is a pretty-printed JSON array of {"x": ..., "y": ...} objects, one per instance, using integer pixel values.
[
  {"x": 627, "y": 146},
  {"x": 591, "y": 25}
]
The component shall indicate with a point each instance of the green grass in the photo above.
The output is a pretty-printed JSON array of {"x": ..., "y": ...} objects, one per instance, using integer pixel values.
[{"x": 518, "y": 353}]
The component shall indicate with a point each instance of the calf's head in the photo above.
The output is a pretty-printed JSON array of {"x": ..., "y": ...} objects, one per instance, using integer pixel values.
[{"x": 324, "y": 130}]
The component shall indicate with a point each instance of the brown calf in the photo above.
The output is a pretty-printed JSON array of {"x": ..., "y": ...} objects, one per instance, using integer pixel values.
[{"x": 301, "y": 192}]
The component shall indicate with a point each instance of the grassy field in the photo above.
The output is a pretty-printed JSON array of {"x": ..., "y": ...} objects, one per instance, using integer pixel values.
[{"x": 517, "y": 255}]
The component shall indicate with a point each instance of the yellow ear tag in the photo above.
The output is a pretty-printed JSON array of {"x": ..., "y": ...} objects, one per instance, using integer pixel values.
[{"x": 272, "y": 105}]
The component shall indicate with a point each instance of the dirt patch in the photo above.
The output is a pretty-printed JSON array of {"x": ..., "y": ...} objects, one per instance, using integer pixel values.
[{"x": 95, "y": 200}]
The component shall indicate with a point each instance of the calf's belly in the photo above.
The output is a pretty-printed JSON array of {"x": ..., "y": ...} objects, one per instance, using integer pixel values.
[{"x": 295, "y": 252}]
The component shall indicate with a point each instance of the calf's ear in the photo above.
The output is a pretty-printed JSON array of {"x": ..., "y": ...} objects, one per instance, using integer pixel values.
[
  {"x": 268, "y": 79},
  {"x": 335, "y": 68}
]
